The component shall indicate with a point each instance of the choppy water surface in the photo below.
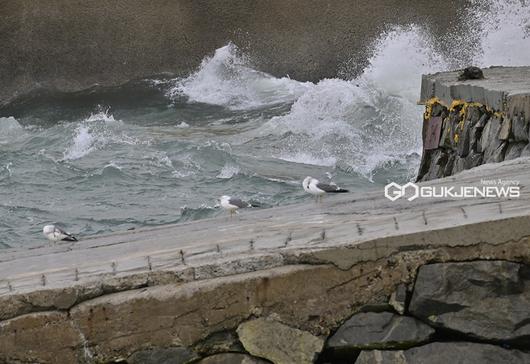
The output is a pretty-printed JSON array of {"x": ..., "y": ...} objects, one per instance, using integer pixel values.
[{"x": 161, "y": 151}]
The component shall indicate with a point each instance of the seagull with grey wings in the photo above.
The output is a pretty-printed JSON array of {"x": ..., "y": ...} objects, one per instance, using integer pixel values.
[
  {"x": 233, "y": 204},
  {"x": 316, "y": 188},
  {"x": 55, "y": 233}
]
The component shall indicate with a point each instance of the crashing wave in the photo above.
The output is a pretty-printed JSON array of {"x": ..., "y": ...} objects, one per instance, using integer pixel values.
[
  {"x": 226, "y": 79},
  {"x": 95, "y": 132}
]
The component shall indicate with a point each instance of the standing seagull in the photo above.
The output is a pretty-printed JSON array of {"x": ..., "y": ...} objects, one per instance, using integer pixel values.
[
  {"x": 313, "y": 186},
  {"x": 54, "y": 233},
  {"x": 232, "y": 204}
]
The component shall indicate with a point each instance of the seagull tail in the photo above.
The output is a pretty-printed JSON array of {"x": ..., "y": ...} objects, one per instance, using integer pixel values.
[
  {"x": 70, "y": 238},
  {"x": 340, "y": 190}
]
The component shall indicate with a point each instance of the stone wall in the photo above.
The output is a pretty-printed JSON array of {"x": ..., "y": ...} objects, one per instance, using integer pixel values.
[
  {"x": 471, "y": 122},
  {"x": 455, "y": 312},
  {"x": 388, "y": 297},
  {"x": 473, "y": 311},
  {"x": 470, "y": 134},
  {"x": 72, "y": 45}
]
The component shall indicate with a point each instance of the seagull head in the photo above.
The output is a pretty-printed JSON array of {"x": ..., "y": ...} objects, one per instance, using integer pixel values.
[
  {"x": 48, "y": 229},
  {"x": 306, "y": 182}
]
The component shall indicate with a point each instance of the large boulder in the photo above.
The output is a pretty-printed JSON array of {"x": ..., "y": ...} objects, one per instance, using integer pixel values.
[
  {"x": 484, "y": 299},
  {"x": 505, "y": 133},
  {"x": 232, "y": 358},
  {"x": 466, "y": 130},
  {"x": 171, "y": 355},
  {"x": 498, "y": 154},
  {"x": 43, "y": 337},
  {"x": 490, "y": 142},
  {"x": 433, "y": 165},
  {"x": 526, "y": 151},
  {"x": 398, "y": 299},
  {"x": 520, "y": 128},
  {"x": 514, "y": 150},
  {"x": 383, "y": 330},
  {"x": 443, "y": 353},
  {"x": 219, "y": 342},
  {"x": 279, "y": 343}
]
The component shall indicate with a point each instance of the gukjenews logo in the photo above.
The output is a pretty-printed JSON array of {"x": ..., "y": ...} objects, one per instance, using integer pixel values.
[
  {"x": 492, "y": 189},
  {"x": 393, "y": 191}
]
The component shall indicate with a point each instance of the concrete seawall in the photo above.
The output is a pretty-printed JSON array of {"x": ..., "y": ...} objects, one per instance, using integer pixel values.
[
  {"x": 182, "y": 291},
  {"x": 71, "y": 46}
]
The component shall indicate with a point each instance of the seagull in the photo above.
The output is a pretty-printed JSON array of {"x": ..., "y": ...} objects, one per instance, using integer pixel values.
[
  {"x": 54, "y": 233},
  {"x": 232, "y": 204},
  {"x": 313, "y": 186}
]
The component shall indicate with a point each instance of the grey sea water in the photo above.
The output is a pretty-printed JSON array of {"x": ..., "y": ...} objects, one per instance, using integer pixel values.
[{"x": 160, "y": 151}]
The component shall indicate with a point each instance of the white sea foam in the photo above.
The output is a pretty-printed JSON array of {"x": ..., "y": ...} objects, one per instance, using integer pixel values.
[
  {"x": 101, "y": 115},
  {"x": 161, "y": 159},
  {"x": 227, "y": 79},
  {"x": 7, "y": 169},
  {"x": 183, "y": 125},
  {"x": 10, "y": 129},
  {"x": 400, "y": 57},
  {"x": 228, "y": 171},
  {"x": 95, "y": 132},
  {"x": 373, "y": 121},
  {"x": 185, "y": 166},
  {"x": 82, "y": 144},
  {"x": 361, "y": 124},
  {"x": 307, "y": 158},
  {"x": 113, "y": 164},
  {"x": 358, "y": 124}
]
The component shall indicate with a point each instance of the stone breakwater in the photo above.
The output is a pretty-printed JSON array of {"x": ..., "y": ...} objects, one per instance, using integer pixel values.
[
  {"x": 356, "y": 279},
  {"x": 471, "y": 122}
]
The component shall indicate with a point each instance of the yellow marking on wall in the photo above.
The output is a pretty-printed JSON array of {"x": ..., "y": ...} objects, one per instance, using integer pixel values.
[{"x": 429, "y": 105}]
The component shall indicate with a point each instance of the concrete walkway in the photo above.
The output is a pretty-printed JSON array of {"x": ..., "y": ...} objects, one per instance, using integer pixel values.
[{"x": 261, "y": 239}]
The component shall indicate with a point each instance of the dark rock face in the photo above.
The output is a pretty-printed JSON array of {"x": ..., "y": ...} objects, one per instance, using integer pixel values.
[
  {"x": 476, "y": 145},
  {"x": 526, "y": 151},
  {"x": 219, "y": 342},
  {"x": 434, "y": 164},
  {"x": 490, "y": 141},
  {"x": 471, "y": 135},
  {"x": 232, "y": 358},
  {"x": 520, "y": 128},
  {"x": 175, "y": 355},
  {"x": 383, "y": 330},
  {"x": 498, "y": 154},
  {"x": 489, "y": 300},
  {"x": 514, "y": 150},
  {"x": 444, "y": 353},
  {"x": 471, "y": 73},
  {"x": 398, "y": 299}
]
